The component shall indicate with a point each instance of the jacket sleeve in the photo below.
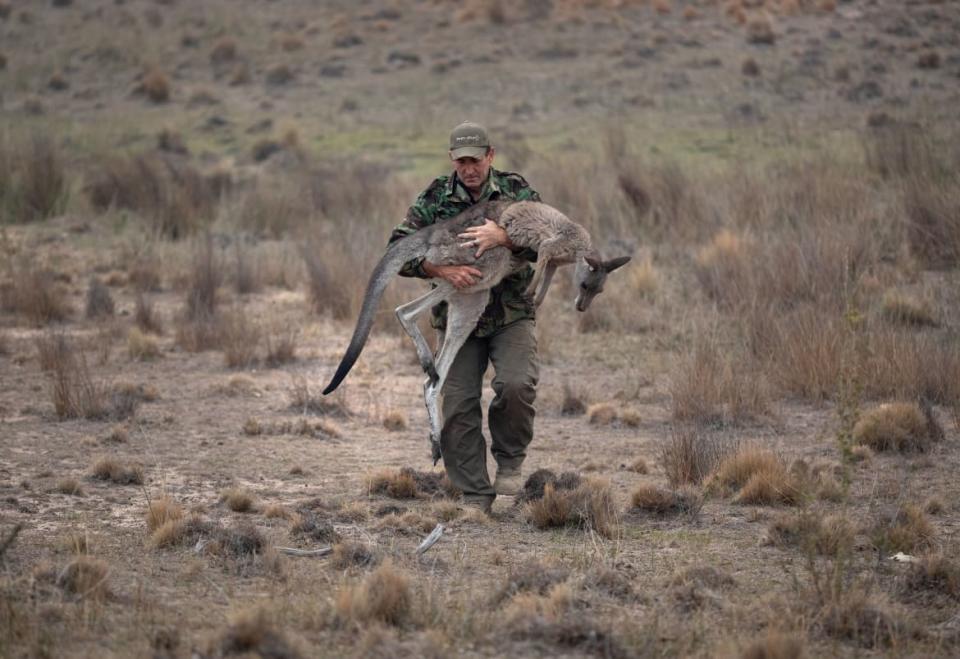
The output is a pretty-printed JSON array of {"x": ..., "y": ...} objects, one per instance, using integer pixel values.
[{"x": 417, "y": 217}]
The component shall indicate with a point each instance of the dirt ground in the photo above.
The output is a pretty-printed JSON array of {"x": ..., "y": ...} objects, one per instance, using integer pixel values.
[{"x": 388, "y": 78}]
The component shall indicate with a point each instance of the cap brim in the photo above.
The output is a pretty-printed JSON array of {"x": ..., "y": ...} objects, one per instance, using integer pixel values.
[{"x": 477, "y": 152}]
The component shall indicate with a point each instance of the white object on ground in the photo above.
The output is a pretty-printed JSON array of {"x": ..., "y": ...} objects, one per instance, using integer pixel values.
[{"x": 431, "y": 539}]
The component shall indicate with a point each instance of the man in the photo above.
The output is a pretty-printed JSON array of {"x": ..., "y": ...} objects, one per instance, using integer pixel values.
[{"x": 504, "y": 335}]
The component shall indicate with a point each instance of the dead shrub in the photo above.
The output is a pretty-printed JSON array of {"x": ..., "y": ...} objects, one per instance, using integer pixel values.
[
  {"x": 33, "y": 181},
  {"x": 689, "y": 454},
  {"x": 141, "y": 347},
  {"x": 314, "y": 528},
  {"x": 533, "y": 577},
  {"x": 238, "y": 500},
  {"x": 52, "y": 349},
  {"x": 169, "y": 192},
  {"x": 933, "y": 211},
  {"x": 224, "y": 50},
  {"x": 239, "y": 338},
  {"x": 254, "y": 632},
  {"x": 326, "y": 293},
  {"x": 864, "y": 619},
  {"x": 652, "y": 499},
  {"x": 711, "y": 388},
  {"x": 907, "y": 530},
  {"x": 85, "y": 577},
  {"x": 396, "y": 484},
  {"x": 573, "y": 401},
  {"x": 382, "y": 596},
  {"x": 898, "y": 426},
  {"x": 162, "y": 510},
  {"x": 99, "y": 302},
  {"x": 760, "y": 31},
  {"x": 902, "y": 309},
  {"x": 205, "y": 279},
  {"x": 181, "y": 532},
  {"x": 305, "y": 400},
  {"x": 590, "y": 506},
  {"x": 35, "y": 293},
  {"x": 116, "y": 471},
  {"x": 639, "y": 466},
  {"x": 72, "y": 389},
  {"x": 776, "y": 645}
]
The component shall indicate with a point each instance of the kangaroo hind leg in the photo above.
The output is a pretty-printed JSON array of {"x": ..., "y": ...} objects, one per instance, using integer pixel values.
[
  {"x": 408, "y": 313},
  {"x": 545, "y": 254},
  {"x": 462, "y": 315}
]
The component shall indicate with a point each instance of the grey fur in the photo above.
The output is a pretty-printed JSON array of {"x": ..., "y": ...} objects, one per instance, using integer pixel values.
[{"x": 557, "y": 241}]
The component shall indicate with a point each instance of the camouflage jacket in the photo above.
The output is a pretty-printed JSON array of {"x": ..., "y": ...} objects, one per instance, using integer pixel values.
[{"x": 447, "y": 197}]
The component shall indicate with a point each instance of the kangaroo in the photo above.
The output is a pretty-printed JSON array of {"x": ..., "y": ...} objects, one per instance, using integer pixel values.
[{"x": 557, "y": 241}]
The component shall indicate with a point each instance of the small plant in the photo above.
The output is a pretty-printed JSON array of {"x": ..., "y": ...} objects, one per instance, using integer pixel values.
[
  {"x": 382, "y": 596},
  {"x": 115, "y": 471},
  {"x": 238, "y": 500},
  {"x": 161, "y": 511},
  {"x": 142, "y": 347},
  {"x": 898, "y": 426},
  {"x": 156, "y": 85},
  {"x": 690, "y": 454}
]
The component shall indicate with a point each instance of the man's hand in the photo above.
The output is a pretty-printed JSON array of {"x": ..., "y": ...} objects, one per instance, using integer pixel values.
[
  {"x": 461, "y": 276},
  {"x": 485, "y": 237}
]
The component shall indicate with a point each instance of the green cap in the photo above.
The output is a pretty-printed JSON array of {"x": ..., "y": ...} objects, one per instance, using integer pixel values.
[{"x": 469, "y": 140}]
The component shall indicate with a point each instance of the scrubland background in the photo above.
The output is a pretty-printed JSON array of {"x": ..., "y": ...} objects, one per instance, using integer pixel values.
[{"x": 757, "y": 415}]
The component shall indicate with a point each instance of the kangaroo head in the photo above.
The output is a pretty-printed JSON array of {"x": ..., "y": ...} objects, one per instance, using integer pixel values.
[{"x": 590, "y": 274}]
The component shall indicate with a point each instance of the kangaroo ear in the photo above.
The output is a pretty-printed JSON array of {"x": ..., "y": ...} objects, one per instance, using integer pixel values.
[
  {"x": 613, "y": 264},
  {"x": 595, "y": 264}
]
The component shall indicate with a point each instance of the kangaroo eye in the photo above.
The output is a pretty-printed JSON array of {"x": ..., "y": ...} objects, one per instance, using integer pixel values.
[{"x": 583, "y": 285}]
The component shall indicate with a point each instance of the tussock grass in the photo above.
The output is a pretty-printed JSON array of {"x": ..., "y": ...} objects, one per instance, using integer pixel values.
[
  {"x": 280, "y": 346},
  {"x": 314, "y": 528},
  {"x": 898, "y": 426},
  {"x": 72, "y": 389},
  {"x": 395, "y": 420},
  {"x": 573, "y": 401},
  {"x": 238, "y": 500},
  {"x": 155, "y": 84},
  {"x": 936, "y": 573},
  {"x": 85, "y": 577},
  {"x": 902, "y": 309},
  {"x": 99, "y": 301},
  {"x": 396, "y": 484},
  {"x": 349, "y": 553},
  {"x": 162, "y": 510},
  {"x": 690, "y": 454},
  {"x": 602, "y": 414},
  {"x": 757, "y": 476},
  {"x": 907, "y": 529},
  {"x": 142, "y": 347},
  {"x": 116, "y": 471},
  {"x": 33, "y": 179},
  {"x": 832, "y": 535},
  {"x": 652, "y": 499},
  {"x": 35, "y": 293},
  {"x": 239, "y": 337},
  {"x": 69, "y": 486},
  {"x": 255, "y": 632},
  {"x": 776, "y": 645},
  {"x": 864, "y": 619},
  {"x": 305, "y": 400},
  {"x": 589, "y": 506},
  {"x": 383, "y": 596}
]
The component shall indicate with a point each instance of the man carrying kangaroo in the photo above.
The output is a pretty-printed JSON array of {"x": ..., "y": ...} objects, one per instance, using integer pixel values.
[{"x": 504, "y": 334}]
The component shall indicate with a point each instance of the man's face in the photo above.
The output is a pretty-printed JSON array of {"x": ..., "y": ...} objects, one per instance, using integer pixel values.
[{"x": 473, "y": 172}]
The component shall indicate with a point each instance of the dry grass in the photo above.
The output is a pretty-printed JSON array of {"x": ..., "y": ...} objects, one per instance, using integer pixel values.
[
  {"x": 305, "y": 400},
  {"x": 832, "y": 535},
  {"x": 639, "y": 466},
  {"x": 116, "y": 471},
  {"x": 758, "y": 476},
  {"x": 652, "y": 499},
  {"x": 255, "y": 632},
  {"x": 776, "y": 645},
  {"x": 238, "y": 500},
  {"x": 239, "y": 338},
  {"x": 85, "y": 577},
  {"x": 383, "y": 596},
  {"x": 99, "y": 301},
  {"x": 907, "y": 529},
  {"x": 589, "y": 506},
  {"x": 72, "y": 390},
  {"x": 155, "y": 84},
  {"x": 903, "y": 309},
  {"x": 161, "y": 511},
  {"x": 280, "y": 346},
  {"x": 573, "y": 401},
  {"x": 70, "y": 486},
  {"x": 142, "y": 347},
  {"x": 35, "y": 293},
  {"x": 867, "y": 620},
  {"x": 349, "y": 553},
  {"x": 899, "y": 426},
  {"x": 33, "y": 179},
  {"x": 395, "y": 420},
  {"x": 935, "y": 572},
  {"x": 145, "y": 316},
  {"x": 689, "y": 454},
  {"x": 602, "y": 414}
]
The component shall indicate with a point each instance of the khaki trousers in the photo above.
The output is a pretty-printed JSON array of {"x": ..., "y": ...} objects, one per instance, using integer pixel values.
[{"x": 513, "y": 352}]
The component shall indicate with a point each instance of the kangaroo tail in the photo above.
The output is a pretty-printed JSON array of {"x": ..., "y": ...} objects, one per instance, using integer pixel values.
[{"x": 397, "y": 254}]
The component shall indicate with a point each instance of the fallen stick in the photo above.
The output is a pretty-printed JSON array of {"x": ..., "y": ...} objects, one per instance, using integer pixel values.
[
  {"x": 431, "y": 539},
  {"x": 293, "y": 551}
]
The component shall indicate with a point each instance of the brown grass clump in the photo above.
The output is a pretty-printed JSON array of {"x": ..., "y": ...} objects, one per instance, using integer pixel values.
[
  {"x": 118, "y": 435},
  {"x": 142, "y": 347},
  {"x": 349, "y": 553},
  {"x": 314, "y": 527},
  {"x": 689, "y": 454},
  {"x": 934, "y": 505},
  {"x": 776, "y": 645},
  {"x": 899, "y": 426},
  {"x": 573, "y": 402},
  {"x": 180, "y": 532},
  {"x": 589, "y": 506},
  {"x": 832, "y": 535},
  {"x": 156, "y": 85},
  {"x": 906, "y": 530},
  {"x": 383, "y": 596},
  {"x": 652, "y": 499},
  {"x": 224, "y": 50},
  {"x": 239, "y": 338},
  {"x": 639, "y": 466},
  {"x": 395, "y": 420},
  {"x": 759, "y": 476},
  {"x": 70, "y": 486},
  {"x": 602, "y": 414},
  {"x": 935, "y": 572},
  {"x": 115, "y": 471},
  {"x": 162, "y": 510},
  {"x": 305, "y": 400},
  {"x": 36, "y": 294},
  {"x": 238, "y": 500},
  {"x": 902, "y": 309},
  {"x": 866, "y": 620},
  {"x": 277, "y": 511},
  {"x": 281, "y": 346},
  {"x": 396, "y": 484},
  {"x": 760, "y": 31},
  {"x": 254, "y": 632},
  {"x": 85, "y": 577}
]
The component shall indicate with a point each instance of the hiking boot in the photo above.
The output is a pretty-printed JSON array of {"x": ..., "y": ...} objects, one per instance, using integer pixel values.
[{"x": 509, "y": 482}]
